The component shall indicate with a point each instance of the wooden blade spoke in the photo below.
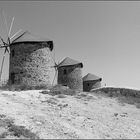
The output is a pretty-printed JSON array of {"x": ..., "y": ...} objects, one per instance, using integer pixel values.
[
  {"x": 8, "y": 41},
  {"x": 15, "y": 34},
  {"x": 51, "y": 66},
  {"x": 5, "y": 21},
  {"x": 54, "y": 77},
  {"x": 54, "y": 51},
  {"x": 11, "y": 27},
  {"x": 52, "y": 58},
  {"x": 6, "y": 49},
  {"x": 2, "y": 40},
  {"x": 2, "y": 46},
  {"x": 2, "y": 66}
]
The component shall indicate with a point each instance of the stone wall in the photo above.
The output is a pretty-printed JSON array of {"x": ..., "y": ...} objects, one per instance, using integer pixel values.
[
  {"x": 29, "y": 63},
  {"x": 118, "y": 91},
  {"x": 89, "y": 85},
  {"x": 72, "y": 78}
]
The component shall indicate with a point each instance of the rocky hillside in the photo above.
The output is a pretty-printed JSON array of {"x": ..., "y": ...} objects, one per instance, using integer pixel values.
[{"x": 44, "y": 114}]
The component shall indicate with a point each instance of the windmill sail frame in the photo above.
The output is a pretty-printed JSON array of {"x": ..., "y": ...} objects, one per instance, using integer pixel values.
[{"x": 6, "y": 44}]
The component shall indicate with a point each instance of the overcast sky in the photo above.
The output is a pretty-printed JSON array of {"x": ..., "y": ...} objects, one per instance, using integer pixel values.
[{"x": 105, "y": 36}]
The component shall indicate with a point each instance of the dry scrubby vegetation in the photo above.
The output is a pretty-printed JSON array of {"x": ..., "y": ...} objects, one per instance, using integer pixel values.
[
  {"x": 11, "y": 129},
  {"x": 23, "y": 87},
  {"x": 60, "y": 90},
  {"x": 123, "y": 95},
  {"x": 111, "y": 91},
  {"x": 54, "y": 90}
]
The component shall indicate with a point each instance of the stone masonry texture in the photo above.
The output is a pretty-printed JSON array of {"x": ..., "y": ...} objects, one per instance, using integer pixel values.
[
  {"x": 29, "y": 62},
  {"x": 72, "y": 78},
  {"x": 88, "y": 85}
]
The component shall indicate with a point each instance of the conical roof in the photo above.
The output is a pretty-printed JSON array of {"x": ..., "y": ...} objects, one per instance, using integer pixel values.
[
  {"x": 69, "y": 62},
  {"x": 91, "y": 77},
  {"x": 29, "y": 37}
]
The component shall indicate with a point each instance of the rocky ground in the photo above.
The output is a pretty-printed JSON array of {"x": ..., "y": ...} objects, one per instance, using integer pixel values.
[{"x": 81, "y": 116}]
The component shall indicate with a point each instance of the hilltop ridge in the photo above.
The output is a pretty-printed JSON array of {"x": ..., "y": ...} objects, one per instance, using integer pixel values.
[{"x": 98, "y": 114}]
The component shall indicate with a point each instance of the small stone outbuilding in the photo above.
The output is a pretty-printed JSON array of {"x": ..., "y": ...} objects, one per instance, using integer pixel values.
[
  {"x": 91, "y": 81},
  {"x": 29, "y": 60},
  {"x": 70, "y": 74}
]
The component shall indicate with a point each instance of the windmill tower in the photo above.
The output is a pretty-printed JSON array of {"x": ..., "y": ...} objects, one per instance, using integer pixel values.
[
  {"x": 91, "y": 81},
  {"x": 69, "y": 73},
  {"x": 29, "y": 58}
]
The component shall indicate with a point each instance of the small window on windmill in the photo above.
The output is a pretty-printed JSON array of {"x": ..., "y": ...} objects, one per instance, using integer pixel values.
[
  {"x": 65, "y": 71},
  {"x": 13, "y": 78},
  {"x": 13, "y": 53},
  {"x": 50, "y": 43},
  {"x": 21, "y": 72}
]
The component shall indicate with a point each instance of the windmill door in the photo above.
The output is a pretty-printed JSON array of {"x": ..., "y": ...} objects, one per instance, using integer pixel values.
[{"x": 13, "y": 78}]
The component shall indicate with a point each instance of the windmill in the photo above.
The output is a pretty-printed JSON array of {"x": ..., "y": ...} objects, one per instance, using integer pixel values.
[{"x": 8, "y": 41}]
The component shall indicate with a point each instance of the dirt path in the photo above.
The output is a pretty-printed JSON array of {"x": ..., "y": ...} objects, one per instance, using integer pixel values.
[{"x": 71, "y": 117}]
